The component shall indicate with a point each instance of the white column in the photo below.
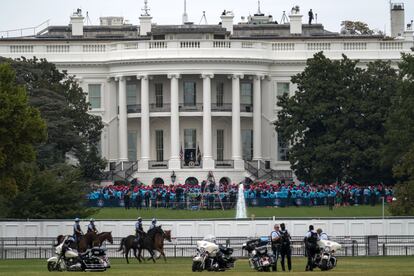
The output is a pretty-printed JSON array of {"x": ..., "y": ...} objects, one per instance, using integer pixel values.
[
  {"x": 174, "y": 162},
  {"x": 236, "y": 130},
  {"x": 123, "y": 121},
  {"x": 208, "y": 162},
  {"x": 257, "y": 118},
  {"x": 145, "y": 123}
]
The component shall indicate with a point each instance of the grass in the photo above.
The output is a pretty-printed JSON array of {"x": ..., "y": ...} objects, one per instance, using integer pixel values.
[
  {"x": 257, "y": 212},
  {"x": 367, "y": 266}
]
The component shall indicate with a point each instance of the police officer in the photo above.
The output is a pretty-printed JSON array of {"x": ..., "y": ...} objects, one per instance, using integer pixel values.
[
  {"x": 285, "y": 250},
  {"x": 275, "y": 241},
  {"x": 92, "y": 226},
  {"x": 139, "y": 230},
  {"x": 322, "y": 235},
  {"x": 311, "y": 239},
  {"x": 153, "y": 224},
  {"x": 77, "y": 231}
]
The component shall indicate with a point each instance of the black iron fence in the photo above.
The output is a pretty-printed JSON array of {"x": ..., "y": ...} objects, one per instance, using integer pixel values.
[{"x": 43, "y": 248}]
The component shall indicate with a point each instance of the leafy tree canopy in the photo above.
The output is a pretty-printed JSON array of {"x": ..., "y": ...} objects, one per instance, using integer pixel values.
[{"x": 335, "y": 121}]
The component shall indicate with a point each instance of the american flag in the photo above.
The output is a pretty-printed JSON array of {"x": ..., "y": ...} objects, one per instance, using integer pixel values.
[{"x": 181, "y": 153}]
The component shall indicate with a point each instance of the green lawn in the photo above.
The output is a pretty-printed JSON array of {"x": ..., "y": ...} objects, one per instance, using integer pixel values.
[
  {"x": 291, "y": 212},
  {"x": 367, "y": 266}
]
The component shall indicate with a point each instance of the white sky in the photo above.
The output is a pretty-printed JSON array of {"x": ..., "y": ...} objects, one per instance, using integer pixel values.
[{"x": 16, "y": 14}]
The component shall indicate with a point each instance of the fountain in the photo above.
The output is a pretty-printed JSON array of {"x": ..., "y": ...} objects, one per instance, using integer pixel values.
[{"x": 241, "y": 204}]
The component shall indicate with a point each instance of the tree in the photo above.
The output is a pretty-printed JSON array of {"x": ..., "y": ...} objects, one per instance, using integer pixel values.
[
  {"x": 399, "y": 148},
  {"x": 334, "y": 122},
  {"x": 57, "y": 193},
  {"x": 21, "y": 128},
  {"x": 62, "y": 103},
  {"x": 355, "y": 27}
]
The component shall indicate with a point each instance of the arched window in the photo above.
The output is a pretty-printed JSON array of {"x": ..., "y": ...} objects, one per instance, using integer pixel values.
[{"x": 191, "y": 181}]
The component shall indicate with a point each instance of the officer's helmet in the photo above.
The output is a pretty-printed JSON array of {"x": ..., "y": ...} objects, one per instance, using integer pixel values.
[
  {"x": 77, "y": 220},
  {"x": 92, "y": 220},
  {"x": 139, "y": 219},
  {"x": 154, "y": 221}
]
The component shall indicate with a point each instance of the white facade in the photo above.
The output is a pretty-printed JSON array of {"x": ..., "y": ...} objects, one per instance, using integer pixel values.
[{"x": 137, "y": 87}]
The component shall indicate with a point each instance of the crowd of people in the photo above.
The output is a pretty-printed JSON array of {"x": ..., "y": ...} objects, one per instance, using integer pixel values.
[{"x": 212, "y": 195}]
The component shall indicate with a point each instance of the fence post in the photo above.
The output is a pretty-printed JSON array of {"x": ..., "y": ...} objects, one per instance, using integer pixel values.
[
  {"x": 2, "y": 249},
  {"x": 175, "y": 251},
  {"x": 406, "y": 251},
  {"x": 383, "y": 250}
]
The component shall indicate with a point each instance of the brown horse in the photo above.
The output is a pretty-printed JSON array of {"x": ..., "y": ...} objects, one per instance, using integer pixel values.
[
  {"x": 153, "y": 240},
  {"x": 89, "y": 240}
]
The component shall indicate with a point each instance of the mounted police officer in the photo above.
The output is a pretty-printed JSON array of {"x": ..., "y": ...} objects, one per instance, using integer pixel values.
[
  {"x": 276, "y": 243},
  {"x": 139, "y": 229},
  {"x": 153, "y": 224},
  {"x": 285, "y": 250},
  {"x": 92, "y": 226},
  {"x": 311, "y": 247},
  {"x": 77, "y": 231},
  {"x": 322, "y": 235}
]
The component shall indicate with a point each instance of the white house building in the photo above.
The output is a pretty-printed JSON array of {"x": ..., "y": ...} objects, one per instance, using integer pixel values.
[{"x": 185, "y": 100}]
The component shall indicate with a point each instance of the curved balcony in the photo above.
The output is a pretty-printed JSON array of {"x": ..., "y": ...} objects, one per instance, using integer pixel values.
[
  {"x": 164, "y": 107},
  {"x": 188, "y": 108}
]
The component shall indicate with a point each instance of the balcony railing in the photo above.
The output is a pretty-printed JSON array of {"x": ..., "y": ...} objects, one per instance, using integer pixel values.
[
  {"x": 155, "y": 165},
  {"x": 224, "y": 164},
  {"x": 160, "y": 107},
  {"x": 134, "y": 108},
  {"x": 246, "y": 108},
  {"x": 195, "y": 107},
  {"x": 221, "y": 107},
  {"x": 191, "y": 164}
]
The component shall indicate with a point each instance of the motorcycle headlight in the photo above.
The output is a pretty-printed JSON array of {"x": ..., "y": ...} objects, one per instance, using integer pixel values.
[{"x": 254, "y": 252}]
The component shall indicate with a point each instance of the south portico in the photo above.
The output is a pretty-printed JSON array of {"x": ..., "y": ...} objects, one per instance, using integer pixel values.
[{"x": 224, "y": 110}]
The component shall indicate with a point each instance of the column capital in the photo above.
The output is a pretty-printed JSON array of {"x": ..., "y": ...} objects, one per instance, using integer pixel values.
[
  {"x": 119, "y": 78},
  {"x": 174, "y": 76},
  {"x": 259, "y": 77},
  {"x": 143, "y": 77},
  {"x": 207, "y": 75},
  {"x": 236, "y": 76}
]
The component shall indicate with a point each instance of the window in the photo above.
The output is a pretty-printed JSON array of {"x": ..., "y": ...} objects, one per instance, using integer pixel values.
[
  {"x": 159, "y": 144},
  {"x": 94, "y": 91},
  {"x": 246, "y": 93},
  {"x": 220, "y": 94},
  {"x": 132, "y": 146},
  {"x": 220, "y": 144},
  {"x": 247, "y": 144},
  {"x": 190, "y": 139},
  {"x": 282, "y": 89},
  {"x": 131, "y": 90},
  {"x": 189, "y": 93},
  {"x": 159, "y": 100},
  {"x": 283, "y": 149}
]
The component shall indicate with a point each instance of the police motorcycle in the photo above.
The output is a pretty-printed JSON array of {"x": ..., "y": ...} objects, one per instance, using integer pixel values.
[
  {"x": 326, "y": 259},
  {"x": 260, "y": 258},
  {"x": 212, "y": 257},
  {"x": 67, "y": 259}
]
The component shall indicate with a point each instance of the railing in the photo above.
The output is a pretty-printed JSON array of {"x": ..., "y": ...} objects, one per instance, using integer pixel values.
[
  {"x": 246, "y": 108},
  {"x": 160, "y": 107},
  {"x": 195, "y": 107},
  {"x": 259, "y": 48},
  {"x": 221, "y": 107},
  {"x": 155, "y": 165},
  {"x": 191, "y": 164},
  {"x": 134, "y": 108},
  {"x": 224, "y": 164},
  {"x": 131, "y": 170},
  {"x": 43, "y": 248}
]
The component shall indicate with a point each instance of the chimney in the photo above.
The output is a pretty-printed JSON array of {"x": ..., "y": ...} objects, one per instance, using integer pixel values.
[
  {"x": 397, "y": 19},
  {"x": 227, "y": 21},
  {"x": 76, "y": 21},
  {"x": 145, "y": 20},
  {"x": 295, "y": 21},
  {"x": 145, "y": 25}
]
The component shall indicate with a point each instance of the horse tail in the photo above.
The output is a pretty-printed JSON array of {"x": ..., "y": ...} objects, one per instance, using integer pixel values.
[{"x": 122, "y": 245}]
